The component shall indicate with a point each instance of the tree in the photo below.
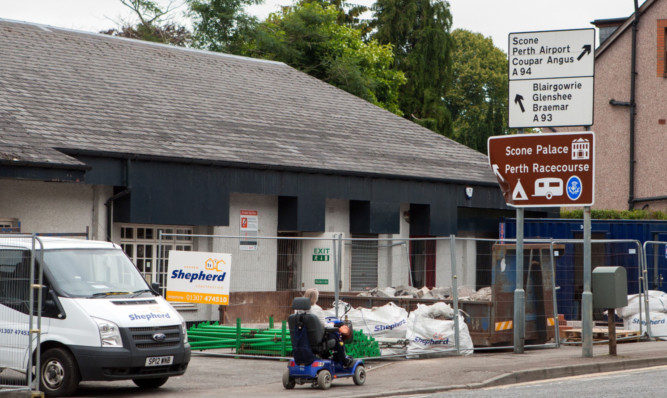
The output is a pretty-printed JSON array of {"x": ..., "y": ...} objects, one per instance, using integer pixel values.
[
  {"x": 307, "y": 37},
  {"x": 418, "y": 30},
  {"x": 477, "y": 99},
  {"x": 154, "y": 24},
  {"x": 349, "y": 14},
  {"x": 223, "y": 25}
]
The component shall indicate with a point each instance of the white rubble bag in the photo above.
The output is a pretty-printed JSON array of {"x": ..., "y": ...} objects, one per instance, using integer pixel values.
[
  {"x": 658, "y": 324},
  {"x": 427, "y": 334},
  {"x": 657, "y": 302},
  {"x": 388, "y": 321}
]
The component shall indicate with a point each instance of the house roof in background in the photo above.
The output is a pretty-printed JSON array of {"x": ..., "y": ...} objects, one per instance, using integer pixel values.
[{"x": 65, "y": 92}]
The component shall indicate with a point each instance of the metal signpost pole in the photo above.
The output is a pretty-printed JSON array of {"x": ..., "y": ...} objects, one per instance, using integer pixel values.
[
  {"x": 587, "y": 296},
  {"x": 519, "y": 293}
]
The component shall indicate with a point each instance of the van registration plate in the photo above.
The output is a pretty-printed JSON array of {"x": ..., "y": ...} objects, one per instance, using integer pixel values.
[{"x": 159, "y": 361}]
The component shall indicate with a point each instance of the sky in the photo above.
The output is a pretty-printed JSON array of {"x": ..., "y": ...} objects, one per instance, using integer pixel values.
[{"x": 492, "y": 18}]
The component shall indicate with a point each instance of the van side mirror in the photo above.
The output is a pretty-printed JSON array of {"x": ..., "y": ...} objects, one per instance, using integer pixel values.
[
  {"x": 51, "y": 306},
  {"x": 155, "y": 287}
]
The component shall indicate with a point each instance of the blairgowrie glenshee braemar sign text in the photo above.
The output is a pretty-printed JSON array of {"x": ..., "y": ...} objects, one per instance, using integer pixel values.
[{"x": 544, "y": 170}]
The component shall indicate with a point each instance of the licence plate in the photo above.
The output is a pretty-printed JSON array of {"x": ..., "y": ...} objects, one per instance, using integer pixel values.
[{"x": 159, "y": 361}]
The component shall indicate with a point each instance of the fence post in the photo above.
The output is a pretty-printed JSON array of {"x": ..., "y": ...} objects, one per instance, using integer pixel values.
[
  {"x": 159, "y": 261},
  {"x": 337, "y": 255},
  {"x": 455, "y": 292},
  {"x": 555, "y": 296},
  {"x": 643, "y": 269}
]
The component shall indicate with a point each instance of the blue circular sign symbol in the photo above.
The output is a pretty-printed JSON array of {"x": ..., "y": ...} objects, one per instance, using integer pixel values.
[{"x": 574, "y": 188}]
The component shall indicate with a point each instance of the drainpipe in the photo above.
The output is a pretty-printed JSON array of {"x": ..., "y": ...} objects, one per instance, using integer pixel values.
[
  {"x": 633, "y": 107},
  {"x": 109, "y": 202}
]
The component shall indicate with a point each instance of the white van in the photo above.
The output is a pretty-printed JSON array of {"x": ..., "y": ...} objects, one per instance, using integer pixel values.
[{"x": 100, "y": 320}]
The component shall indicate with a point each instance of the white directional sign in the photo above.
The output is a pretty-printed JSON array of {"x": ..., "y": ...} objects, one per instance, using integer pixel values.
[{"x": 551, "y": 78}]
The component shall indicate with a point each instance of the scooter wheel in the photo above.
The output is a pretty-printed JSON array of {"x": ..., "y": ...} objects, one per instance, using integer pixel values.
[
  {"x": 324, "y": 379},
  {"x": 288, "y": 382},
  {"x": 359, "y": 375}
]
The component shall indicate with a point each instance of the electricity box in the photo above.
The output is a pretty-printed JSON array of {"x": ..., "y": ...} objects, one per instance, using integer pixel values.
[{"x": 610, "y": 287}]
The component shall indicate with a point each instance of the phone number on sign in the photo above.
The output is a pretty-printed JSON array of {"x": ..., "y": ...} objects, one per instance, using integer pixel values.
[
  {"x": 14, "y": 331},
  {"x": 207, "y": 299}
]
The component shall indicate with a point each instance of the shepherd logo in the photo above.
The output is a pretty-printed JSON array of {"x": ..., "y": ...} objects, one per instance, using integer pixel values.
[
  {"x": 213, "y": 264},
  {"x": 149, "y": 316},
  {"x": 201, "y": 276},
  {"x": 420, "y": 340},
  {"x": 379, "y": 328}
]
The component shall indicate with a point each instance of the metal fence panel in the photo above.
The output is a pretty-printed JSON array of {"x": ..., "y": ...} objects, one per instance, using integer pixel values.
[
  {"x": 476, "y": 275},
  {"x": 20, "y": 296},
  {"x": 569, "y": 278},
  {"x": 653, "y": 317}
]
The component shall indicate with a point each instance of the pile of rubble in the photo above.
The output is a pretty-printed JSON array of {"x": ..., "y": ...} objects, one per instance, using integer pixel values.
[{"x": 437, "y": 293}]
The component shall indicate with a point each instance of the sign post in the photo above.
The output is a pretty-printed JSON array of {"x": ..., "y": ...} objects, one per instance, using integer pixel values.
[
  {"x": 550, "y": 84},
  {"x": 542, "y": 170}
]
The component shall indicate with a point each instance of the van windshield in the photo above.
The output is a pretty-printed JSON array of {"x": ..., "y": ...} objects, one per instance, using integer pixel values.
[{"x": 93, "y": 273}]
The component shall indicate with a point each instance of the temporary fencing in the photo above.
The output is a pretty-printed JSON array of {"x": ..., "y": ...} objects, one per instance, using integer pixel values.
[
  {"x": 649, "y": 311},
  {"x": 20, "y": 298},
  {"x": 396, "y": 286},
  {"x": 570, "y": 282}
]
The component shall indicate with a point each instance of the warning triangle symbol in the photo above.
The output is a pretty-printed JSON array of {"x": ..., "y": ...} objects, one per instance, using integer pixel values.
[{"x": 519, "y": 193}]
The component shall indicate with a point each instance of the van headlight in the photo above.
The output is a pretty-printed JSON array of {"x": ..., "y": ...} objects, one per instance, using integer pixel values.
[
  {"x": 109, "y": 333},
  {"x": 184, "y": 326}
]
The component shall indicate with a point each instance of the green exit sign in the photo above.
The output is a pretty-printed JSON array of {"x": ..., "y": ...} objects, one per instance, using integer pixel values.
[
  {"x": 320, "y": 257},
  {"x": 321, "y": 281}
]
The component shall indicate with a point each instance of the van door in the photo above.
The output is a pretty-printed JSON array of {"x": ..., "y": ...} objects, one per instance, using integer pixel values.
[{"x": 15, "y": 285}]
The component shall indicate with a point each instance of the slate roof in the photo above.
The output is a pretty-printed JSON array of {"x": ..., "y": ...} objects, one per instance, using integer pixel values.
[{"x": 77, "y": 91}]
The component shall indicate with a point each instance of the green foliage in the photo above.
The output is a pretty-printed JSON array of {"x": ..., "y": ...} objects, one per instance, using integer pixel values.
[
  {"x": 616, "y": 214},
  {"x": 153, "y": 25},
  {"x": 222, "y": 25},
  {"x": 418, "y": 30},
  {"x": 307, "y": 37},
  {"x": 349, "y": 14},
  {"x": 477, "y": 99}
]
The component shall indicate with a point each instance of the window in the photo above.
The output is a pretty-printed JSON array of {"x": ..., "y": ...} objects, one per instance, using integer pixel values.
[
  {"x": 662, "y": 48},
  {"x": 10, "y": 225},
  {"x": 141, "y": 242}
]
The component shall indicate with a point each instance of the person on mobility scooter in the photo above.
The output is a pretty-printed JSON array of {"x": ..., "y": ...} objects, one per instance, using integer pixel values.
[{"x": 319, "y": 351}]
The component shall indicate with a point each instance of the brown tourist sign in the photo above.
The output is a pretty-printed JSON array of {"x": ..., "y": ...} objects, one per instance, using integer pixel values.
[{"x": 544, "y": 170}]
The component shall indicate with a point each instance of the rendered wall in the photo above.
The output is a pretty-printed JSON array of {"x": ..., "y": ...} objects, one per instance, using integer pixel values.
[{"x": 47, "y": 207}]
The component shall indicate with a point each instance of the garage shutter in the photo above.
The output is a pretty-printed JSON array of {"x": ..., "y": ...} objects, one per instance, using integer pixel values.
[{"x": 364, "y": 267}]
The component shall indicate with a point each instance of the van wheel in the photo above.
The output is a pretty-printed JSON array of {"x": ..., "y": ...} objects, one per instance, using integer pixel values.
[
  {"x": 59, "y": 373},
  {"x": 150, "y": 383}
]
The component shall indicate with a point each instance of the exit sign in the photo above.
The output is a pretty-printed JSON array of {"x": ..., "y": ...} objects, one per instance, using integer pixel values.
[{"x": 321, "y": 254}]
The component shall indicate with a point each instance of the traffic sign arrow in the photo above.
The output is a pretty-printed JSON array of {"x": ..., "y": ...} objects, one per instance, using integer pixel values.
[
  {"x": 518, "y": 100},
  {"x": 496, "y": 172},
  {"x": 587, "y": 50}
]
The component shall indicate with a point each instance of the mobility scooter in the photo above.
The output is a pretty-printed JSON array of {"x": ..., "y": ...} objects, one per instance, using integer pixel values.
[{"x": 317, "y": 359}]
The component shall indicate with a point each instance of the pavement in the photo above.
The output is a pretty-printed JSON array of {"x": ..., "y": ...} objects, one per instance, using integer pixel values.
[
  {"x": 212, "y": 375},
  {"x": 487, "y": 369},
  {"x": 386, "y": 378}
]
